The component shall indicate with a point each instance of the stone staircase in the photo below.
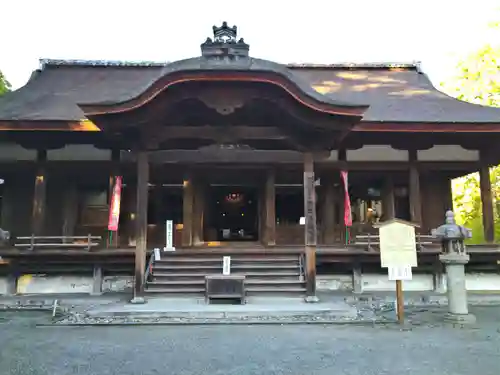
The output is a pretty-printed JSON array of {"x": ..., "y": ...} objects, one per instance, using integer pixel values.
[{"x": 183, "y": 272}]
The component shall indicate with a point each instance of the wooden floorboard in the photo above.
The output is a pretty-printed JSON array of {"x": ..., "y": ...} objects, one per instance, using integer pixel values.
[{"x": 322, "y": 250}]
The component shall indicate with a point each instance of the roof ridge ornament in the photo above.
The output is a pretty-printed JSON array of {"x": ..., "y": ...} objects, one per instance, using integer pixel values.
[{"x": 225, "y": 44}]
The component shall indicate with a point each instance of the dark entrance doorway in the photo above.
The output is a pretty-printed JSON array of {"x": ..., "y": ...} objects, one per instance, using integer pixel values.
[{"x": 234, "y": 213}]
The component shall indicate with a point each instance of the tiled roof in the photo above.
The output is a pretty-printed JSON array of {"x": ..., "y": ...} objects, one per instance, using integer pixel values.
[{"x": 396, "y": 92}]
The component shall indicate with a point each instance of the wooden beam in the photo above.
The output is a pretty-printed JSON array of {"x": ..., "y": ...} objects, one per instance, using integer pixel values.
[
  {"x": 220, "y": 132},
  {"x": 487, "y": 204},
  {"x": 270, "y": 209},
  {"x": 40, "y": 195},
  {"x": 292, "y": 138},
  {"x": 310, "y": 226},
  {"x": 141, "y": 223}
]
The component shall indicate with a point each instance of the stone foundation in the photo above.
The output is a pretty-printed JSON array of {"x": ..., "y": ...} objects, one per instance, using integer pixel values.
[
  {"x": 484, "y": 282},
  {"x": 4, "y": 286},
  {"x": 44, "y": 284}
]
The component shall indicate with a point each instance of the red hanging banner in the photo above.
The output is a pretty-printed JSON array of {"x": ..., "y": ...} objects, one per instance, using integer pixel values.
[
  {"x": 347, "y": 200},
  {"x": 114, "y": 210}
]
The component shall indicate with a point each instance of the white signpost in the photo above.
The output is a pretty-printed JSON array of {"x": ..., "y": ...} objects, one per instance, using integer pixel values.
[
  {"x": 157, "y": 253},
  {"x": 398, "y": 253},
  {"x": 226, "y": 265},
  {"x": 169, "y": 246}
]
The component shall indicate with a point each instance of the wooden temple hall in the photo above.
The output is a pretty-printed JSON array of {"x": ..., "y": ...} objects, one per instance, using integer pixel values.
[{"x": 243, "y": 155}]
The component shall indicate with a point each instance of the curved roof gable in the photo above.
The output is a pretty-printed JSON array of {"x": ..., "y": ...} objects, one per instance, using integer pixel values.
[{"x": 225, "y": 59}]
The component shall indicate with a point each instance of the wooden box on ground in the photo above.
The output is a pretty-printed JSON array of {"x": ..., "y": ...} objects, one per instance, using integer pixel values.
[{"x": 225, "y": 287}]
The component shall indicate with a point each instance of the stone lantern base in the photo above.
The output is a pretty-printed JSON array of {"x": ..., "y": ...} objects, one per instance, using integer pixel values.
[
  {"x": 457, "y": 293},
  {"x": 460, "y": 318}
]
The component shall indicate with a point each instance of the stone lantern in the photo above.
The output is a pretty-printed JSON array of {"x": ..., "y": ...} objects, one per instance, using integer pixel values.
[{"x": 455, "y": 257}]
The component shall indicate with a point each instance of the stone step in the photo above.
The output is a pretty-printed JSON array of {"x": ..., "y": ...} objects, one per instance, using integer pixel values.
[
  {"x": 250, "y": 290},
  {"x": 278, "y": 283},
  {"x": 191, "y": 290},
  {"x": 255, "y": 274},
  {"x": 177, "y": 260},
  {"x": 254, "y": 289},
  {"x": 203, "y": 266},
  {"x": 265, "y": 273}
]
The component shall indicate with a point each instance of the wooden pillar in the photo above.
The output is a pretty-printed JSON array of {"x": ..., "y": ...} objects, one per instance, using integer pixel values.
[
  {"x": 129, "y": 206},
  {"x": 40, "y": 195},
  {"x": 97, "y": 280},
  {"x": 270, "y": 208},
  {"x": 156, "y": 233},
  {"x": 414, "y": 190},
  {"x": 262, "y": 214},
  {"x": 388, "y": 204},
  {"x": 70, "y": 210},
  {"x": 310, "y": 227},
  {"x": 141, "y": 221},
  {"x": 187, "y": 212},
  {"x": 328, "y": 212},
  {"x": 414, "y": 196},
  {"x": 199, "y": 189},
  {"x": 447, "y": 193},
  {"x": 487, "y": 203}
]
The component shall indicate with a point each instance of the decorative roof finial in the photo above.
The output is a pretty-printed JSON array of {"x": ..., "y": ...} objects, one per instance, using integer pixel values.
[
  {"x": 225, "y": 43},
  {"x": 225, "y": 34}
]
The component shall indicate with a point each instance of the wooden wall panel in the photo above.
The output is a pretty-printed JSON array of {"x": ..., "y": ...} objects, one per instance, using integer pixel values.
[
  {"x": 436, "y": 198},
  {"x": 17, "y": 203}
]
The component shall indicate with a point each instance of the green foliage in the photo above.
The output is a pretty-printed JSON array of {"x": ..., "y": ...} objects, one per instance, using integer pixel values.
[
  {"x": 479, "y": 78},
  {"x": 467, "y": 203},
  {"x": 477, "y": 81},
  {"x": 4, "y": 84}
]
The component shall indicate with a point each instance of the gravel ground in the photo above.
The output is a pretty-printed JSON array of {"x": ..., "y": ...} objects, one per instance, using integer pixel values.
[{"x": 425, "y": 349}]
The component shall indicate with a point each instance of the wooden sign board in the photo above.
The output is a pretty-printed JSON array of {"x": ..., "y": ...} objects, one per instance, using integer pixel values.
[{"x": 398, "y": 247}]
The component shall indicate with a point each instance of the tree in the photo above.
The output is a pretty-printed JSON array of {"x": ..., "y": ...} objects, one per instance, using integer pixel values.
[
  {"x": 4, "y": 84},
  {"x": 477, "y": 81},
  {"x": 467, "y": 203}
]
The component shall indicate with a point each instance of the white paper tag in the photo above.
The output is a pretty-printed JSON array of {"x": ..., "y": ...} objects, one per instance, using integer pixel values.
[
  {"x": 400, "y": 273},
  {"x": 226, "y": 265}
]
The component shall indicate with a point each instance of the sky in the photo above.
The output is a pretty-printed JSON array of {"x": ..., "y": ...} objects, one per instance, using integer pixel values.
[{"x": 436, "y": 32}]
